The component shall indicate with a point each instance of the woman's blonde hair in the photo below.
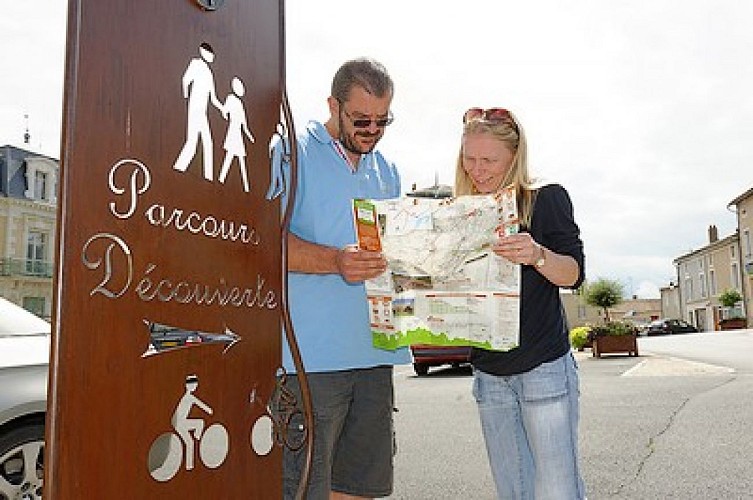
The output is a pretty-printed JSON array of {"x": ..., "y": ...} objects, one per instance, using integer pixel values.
[{"x": 511, "y": 133}]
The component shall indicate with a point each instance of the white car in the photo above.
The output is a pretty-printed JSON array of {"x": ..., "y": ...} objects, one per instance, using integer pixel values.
[{"x": 24, "y": 360}]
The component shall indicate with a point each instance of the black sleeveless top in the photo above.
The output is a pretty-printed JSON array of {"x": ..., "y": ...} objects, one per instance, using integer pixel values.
[{"x": 543, "y": 330}]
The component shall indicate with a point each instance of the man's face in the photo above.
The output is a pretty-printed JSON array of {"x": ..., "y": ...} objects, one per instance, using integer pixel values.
[{"x": 359, "y": 120}]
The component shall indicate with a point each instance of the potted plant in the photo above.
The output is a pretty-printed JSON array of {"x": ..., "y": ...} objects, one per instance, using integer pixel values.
[
  {"x": 614, "y": 337},
  {"x": 579, "y": 338},
  {"x": 729, "y": 299}
]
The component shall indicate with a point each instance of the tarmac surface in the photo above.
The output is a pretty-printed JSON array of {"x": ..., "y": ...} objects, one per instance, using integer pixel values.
[{"x": 667, "y": 424}]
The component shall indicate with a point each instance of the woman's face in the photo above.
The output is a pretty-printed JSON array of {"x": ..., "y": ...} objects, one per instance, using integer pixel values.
[{"x": 486, "y": 160}]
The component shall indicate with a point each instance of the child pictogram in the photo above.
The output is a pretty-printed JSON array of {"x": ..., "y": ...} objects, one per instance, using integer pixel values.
[{"x": 236, "y": 128}]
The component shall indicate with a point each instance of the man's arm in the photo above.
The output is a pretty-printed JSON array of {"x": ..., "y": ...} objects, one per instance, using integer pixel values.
[
  {"x": 307, "y": 257},
  {"x": 353, "y": 264}
]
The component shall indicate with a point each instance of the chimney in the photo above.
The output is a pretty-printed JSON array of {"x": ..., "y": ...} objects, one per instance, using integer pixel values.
[
  {"x": 713, "y": 234},
  {"x": 27, "y": 135}
]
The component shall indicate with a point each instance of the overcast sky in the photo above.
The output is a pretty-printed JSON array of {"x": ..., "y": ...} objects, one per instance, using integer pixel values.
[{"x": 642, "y": 110}]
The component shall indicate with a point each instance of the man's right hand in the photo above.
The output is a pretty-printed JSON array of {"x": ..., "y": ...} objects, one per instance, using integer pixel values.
[{"x": 356, "y": 265}]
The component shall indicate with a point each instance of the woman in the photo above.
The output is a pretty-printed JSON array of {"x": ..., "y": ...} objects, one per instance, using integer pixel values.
[{"x": 528, "y": 396}]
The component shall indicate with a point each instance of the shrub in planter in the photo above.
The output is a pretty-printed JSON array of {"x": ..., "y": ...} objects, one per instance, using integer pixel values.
[
  {"x": 614, "y": 337},
  {"x": 612, "y": 328},
  {"x": 579, "y": 337}
]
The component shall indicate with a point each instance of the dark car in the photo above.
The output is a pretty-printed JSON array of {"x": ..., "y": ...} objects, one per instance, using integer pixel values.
[
  {"x": 669, "y": 326},
  {"x": 425, "y": 356}
]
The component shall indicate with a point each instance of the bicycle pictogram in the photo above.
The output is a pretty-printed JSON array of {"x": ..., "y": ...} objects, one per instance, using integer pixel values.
[
  {"x": 169, "y": 450},
  {"x": 288, "y": 421}
]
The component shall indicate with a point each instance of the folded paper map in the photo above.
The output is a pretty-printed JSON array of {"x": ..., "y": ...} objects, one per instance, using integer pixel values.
[{"x": 443, "y": 285}]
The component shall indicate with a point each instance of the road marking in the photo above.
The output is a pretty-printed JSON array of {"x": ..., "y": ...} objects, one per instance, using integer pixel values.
[{"x": 659, "y": 366}]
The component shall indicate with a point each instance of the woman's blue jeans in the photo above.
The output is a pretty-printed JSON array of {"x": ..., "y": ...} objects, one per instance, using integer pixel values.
[{"x": 530, "y": 426}]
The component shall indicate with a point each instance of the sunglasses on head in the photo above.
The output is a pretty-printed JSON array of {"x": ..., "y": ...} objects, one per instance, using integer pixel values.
[
  {"x": 366, "y": 122},
  {"x": 491, "y": 115}
]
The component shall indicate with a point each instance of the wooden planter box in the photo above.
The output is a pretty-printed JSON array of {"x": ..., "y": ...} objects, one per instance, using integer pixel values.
[
  {"x": 587, "y": 345},
  {"x": 733, "y": 324},
  {"x": 611, "y": 344}
]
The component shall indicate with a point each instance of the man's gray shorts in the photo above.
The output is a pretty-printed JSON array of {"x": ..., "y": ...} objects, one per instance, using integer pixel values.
[{"x": 353, "y": 435}]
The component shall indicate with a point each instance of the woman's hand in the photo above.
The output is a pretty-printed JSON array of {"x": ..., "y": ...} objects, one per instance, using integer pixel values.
[
  {"x": 518, "y": 248},
  {"x": 560, "y": 270}
]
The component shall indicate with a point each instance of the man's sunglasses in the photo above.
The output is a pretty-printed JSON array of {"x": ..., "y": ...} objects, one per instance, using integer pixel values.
[
  {"x": 491, "y": 115},
  {"x": 366, "y": 122}
]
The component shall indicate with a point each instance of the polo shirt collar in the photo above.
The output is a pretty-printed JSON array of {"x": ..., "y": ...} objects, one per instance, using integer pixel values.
[{"x": 319, "y": 132}]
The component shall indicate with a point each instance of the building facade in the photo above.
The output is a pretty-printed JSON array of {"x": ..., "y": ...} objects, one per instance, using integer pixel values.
[
  {"x": 670, "y": 302},
  {"x": 743, "y": 207},
  {"x": 703, "y": 275},
  {"x": 28, "y": 211}
]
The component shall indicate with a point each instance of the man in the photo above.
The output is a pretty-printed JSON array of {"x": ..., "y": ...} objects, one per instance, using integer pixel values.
[{"x": 350, "y": 380}]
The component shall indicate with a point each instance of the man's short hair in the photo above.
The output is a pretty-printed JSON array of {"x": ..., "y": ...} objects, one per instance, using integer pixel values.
[{"x": 364, "y": 72}]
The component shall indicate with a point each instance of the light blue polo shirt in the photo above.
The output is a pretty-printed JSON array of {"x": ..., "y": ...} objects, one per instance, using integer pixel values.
[{"x": 330, "y": 316}]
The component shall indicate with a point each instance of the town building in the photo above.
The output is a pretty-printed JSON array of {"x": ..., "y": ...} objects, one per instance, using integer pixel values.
[
  {"x": 743, "y": 207},
  {"x": 28, "y": 211},
  {"x": 704, "y": 274},
  {"x": 670, "y": 301},
  {"x": 639, "y": 312}
]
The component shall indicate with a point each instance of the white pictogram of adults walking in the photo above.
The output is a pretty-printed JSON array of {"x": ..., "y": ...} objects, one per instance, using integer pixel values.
[
  {"x": 198, "y": 88},
  {"x": 237, "y": 126},
  {"x": 183, "y": 425},
  {"x": 277, "y": 156}
]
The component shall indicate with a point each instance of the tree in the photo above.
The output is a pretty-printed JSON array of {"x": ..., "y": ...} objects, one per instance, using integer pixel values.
[
  {"x": 604, "y": 293},
  {"x": 729, "y": 299}
]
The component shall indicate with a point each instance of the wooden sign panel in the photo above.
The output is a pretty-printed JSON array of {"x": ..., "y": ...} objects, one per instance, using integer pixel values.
[{"x": 167, "y": 331}]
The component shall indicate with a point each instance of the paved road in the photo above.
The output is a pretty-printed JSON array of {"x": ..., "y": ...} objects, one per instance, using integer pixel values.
[{"x": 674, "y": 423}]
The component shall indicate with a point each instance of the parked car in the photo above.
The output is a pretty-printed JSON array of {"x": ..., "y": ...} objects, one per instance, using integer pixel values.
[
  {"x": 669, "y": 326},
  {"x": 24, "y": 360},
  {"x": 641, "y": 328},
  {"x": 426, "y": 356}
]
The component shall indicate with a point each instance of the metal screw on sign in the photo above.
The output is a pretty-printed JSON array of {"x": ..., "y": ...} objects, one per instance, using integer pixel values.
[{"x": 210, "y": 4}]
